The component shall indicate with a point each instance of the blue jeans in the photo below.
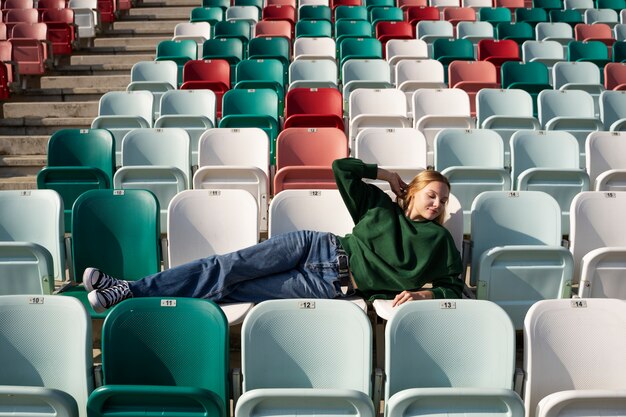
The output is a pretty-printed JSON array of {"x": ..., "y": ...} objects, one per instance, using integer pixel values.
[{"x": 300, "y": 264}]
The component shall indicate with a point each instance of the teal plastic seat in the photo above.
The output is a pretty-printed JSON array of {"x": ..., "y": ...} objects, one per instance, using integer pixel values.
[
  {"x": 548, "y": 161},
  {"x": 166, "y": 357},
  {"x": 314, "y": 12},
  {"x": 192, "y": 110},
  {"x": 179, "y": 51},
  {"x": 121, "y": 111},
  {"x": 520, "y": 32},
  {"x": 231, "y": 50},
  {"x": 313, "y": 28},
  {"x": 210, "y": 15},
  {"x": 239, "y": 29},
  {"x": 494, "y": 15},
  {"x": 36, "y": 380},
  {"x": 613, "y": 110},
  {"x": 547, "y": 52},
  {"x": 223, "y": 4},
  {"x": 262, "y": 73},
  {"x": 588, "y": 51},
  {"x": 352, "y": 28},
  {"x": 548, "y": 5},
  {"x": 418, "y": 355},
  {"x": 616, "y": 5},
  {"x": 532, "y": 15},
  {"x": 359, "y": 48},
  {"x": 569, "y": 110},
  {"x": 570, "y": 16},
  {"x": 266, "y": 47},
  {"x": 505, "y": 111},
  {"x": 307, "y": 340},
  {"x": 78, "y": 160},
  {"x": 252, "y": 108},
  {"x": 385, "y": 14},
  {"x": 619, "y": 51},
  {"x": 158, "y": 160},
  {"x": 345, "y": 12},
  {"x": 447, "y": 50},
  {"x": 371, "y": 4},
  {"x": 532, "y": 77},
  {"x": 473, "y": 161},
  {"x": 126, "y": 223},
  {"x": 32, "y": 254},
  {"x": 516, "y": 262}
]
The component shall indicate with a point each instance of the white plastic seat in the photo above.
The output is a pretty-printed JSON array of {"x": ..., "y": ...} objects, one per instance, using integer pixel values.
[
  {"x": 436, "y": 109},
  {"x": 598, "y": 243},
  {"x": 555, "y": 372},
  {"x": 399, "y": 49},
  {"x": 313, "y": 73},
  {"x": 424, "y": 375},
  {"x": 391, "y": 148},
  {"x": 579, "y": 76},
  {"x": 371, "y": 107},
  {"x": 413, "y": 74},
  {"x": 569, "y": 110},
  {"x": 157, "y": 160},
  {"x": 506, "y": 112},
  {"x": 363, "y": 73},
  {"x": 86, "y": 18},
  {"x": 32, "y": 228},
  {"x": 239, "y": 159},
  {"x": 606, "y": 16},
  {"x": 545, "y": 51},
  {"x": 431, "y": 30},
  {"x": 192, "y": 110},
  {"x": 473, "y": 162},
  {"x": 157, "y": 77},
  {"x": 309, "y": 355},
  {"x": 619, "y": 32},
  {"x": 560, "y": 32},
  {"x": 36, "y": 379},
  {"x": 548, "y": 161},
  {"x": 314, "y": 48},
  {"x": 613, "y": 110},
  {"x": 475, "y": 31},
  {"x": 206, "y": 222},
  {"x": 580, "y": 5},
  {"x": 121, "y": 111},
  {"x": 517, "y": 262},
  {"x": 606, "y": 160},
  {"x": 197, "y": 31}
]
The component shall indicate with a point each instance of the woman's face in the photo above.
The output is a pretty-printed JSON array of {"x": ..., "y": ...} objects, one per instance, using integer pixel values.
[{"x": 429, "y": 202}]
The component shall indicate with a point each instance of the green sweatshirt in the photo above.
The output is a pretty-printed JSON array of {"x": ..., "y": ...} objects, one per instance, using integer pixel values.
[{"x": 388, "y": 252}]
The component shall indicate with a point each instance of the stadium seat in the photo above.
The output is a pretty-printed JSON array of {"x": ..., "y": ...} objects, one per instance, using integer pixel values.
[
  {"x": 520, "y": 32},
  {"x": 188, "y": 374},
  {"x": 548, "y": 5},
  {"x": 418, "y": 353},
  {"x": 363, "y": 73},
  {"x": 599, "y": 32},
  {"x": 314, "y": 107},
  {"x": 192, "y": 110},
  {"x": 157, "y": 77},
  {"x": 431, "y": 30},
  {"x": 516, "y": 263},
  {"x": 555, "y": 377},
  {"x": 615, "y": 76},
  {"x": 349, "y": 12},
  {"x": 256, "y": 73},
  {"x": 179, "y": 51},
  {"x": 314, "y": 48},
  {"x": 351, "y": 28},
  {"x": 31, "y": 51},
  {"x": 210, "y": 74},
  {"x": 32, "y": 255},
  {"x": 211, "y": 15},
  {"x": 36, "y": 380},
  {"x": 86, "y": 19},
  {"x": 61, "y": 30},
  {"x": 314, "y": 12},
  {"x": 471, "y": 77},
  {"x": 619, "y": 52},
  {"x": 304, "y": 157},
  {"x": 452, "y": 49},
  {"x": 532, "y": 77},
  {"x": 388, "y": 30},
  {"x": 121, "y": 111},
  {"x": 605, "y": 16},
  {"x": 498, "y": 52},
  {"x": 308, "y": 344},
  {"x": 274, "y": 28},
  {"x": 435, "y": 109},
  {"x": 584, "y": 76},
  {"x": 238, "y": 29},
  {"x": 319, "y": 72},
  {"x": 505, "y": 112},
  {"x": 548, "y": 161},
  {"x": 196, "y": 31},
  {"x": 560, "y": 32},
  {"x": 495, "y": 15},
  {"x": 78, "y": 160},
  {"x": 569, "y": 110},
  {"x": 569, "y": 16},
  {"x": 400, "y": 49},
  {"x": 613, "y": 110},
  {"x": 359, "y": 48},
  {"x": 416, "y": 14},
  {"x": 546, "y": 52},
  {"x": 588, "y": 51},
  {"x": 231, "y": 49},
  {"x": 605, "y": 161},
  {"x": 313, "y": 28},
  {"x": 239, "y": 159},
  {"x": 413, "y": 74},
  {"x": 458, "y": 14},
  {"x": 271, "y": 48},
  {"x": 473, "y": 161},
  {"x": 394, "y": 148},
  {"x": 474, "y": 31},
  {"x": 531, "y": 15}
]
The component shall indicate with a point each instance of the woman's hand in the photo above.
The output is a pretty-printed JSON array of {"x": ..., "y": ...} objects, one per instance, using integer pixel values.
[
  {"x": 405, "y": 296},
  {"x": 398, "y": 186}
]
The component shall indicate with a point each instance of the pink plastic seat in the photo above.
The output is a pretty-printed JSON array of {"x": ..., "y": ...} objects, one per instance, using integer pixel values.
[
  {"x": 30, "y": 50},
  {"x": 211, "y": 74},
  {"x": 594, "y": 32},
  {"x": 61, "y": 31},
  {"x": 615, "y": 76},
  {"x": 471, "y": 77}
]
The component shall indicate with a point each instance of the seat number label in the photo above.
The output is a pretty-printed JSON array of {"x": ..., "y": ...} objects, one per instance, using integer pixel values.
[
  {"x": 168, "y": 303},
  {"x": 308, "y": 305},
  {"x": 35, "y": 300},
  {"x": 447, "y": 305},
  {"x": 579, "y": 304}
]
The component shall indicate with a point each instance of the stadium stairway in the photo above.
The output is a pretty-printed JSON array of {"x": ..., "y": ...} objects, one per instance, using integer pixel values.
[{"x": 67, "y": 96}]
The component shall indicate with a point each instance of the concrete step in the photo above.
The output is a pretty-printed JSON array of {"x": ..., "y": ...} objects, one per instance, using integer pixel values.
[
  {"x": 159, "y": 13},
  {"x": 47, "y": 110},
  {"x": 85, "y": 82},
  {"x": 42, "y": 126},
  {"x": 105, "y": 61},
  {"x": 22, "y": 165},
  {"x": 168, "y": 3},
  {"x": 20, "y": 182},
  {"x": 161, "y": 27},
  {"x": 23, "y": 145},
  {"x": 140, "y": 45}
]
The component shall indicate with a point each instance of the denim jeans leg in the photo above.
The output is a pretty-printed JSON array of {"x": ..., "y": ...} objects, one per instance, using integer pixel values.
[{"x": 215, "y": 277}]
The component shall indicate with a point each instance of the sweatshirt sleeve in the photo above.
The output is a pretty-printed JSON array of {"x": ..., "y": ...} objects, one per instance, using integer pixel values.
[{"x": 357, "y": 195}]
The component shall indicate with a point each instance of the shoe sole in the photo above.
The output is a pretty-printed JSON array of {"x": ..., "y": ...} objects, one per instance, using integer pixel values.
[{"x": 94, "y": 303}]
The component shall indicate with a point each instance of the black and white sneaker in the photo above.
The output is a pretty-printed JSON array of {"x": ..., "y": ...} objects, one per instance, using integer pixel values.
[
  {"x": 101, "y": 300},
  {"x": 94, "y": 279}
]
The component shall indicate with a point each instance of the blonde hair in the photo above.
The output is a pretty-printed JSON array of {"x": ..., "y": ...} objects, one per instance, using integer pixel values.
[{"x": 420, "y": 181}]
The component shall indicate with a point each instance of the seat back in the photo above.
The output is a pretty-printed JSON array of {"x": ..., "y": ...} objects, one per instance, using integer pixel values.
[
  {"x": 308, "y": 103},
  {"x": 307, "y": 341},
  {"x": 303, "y": 47},
  {"x": 564, "y": 103},
  {"x": 232, "y": 223},
  {"x": 542, "y": 49},
  {"x": 195, "y": 355},
  {"x": 476, "y": 147},
  {"x": 443, "y": 102},
  {"x": 605, "y": 151},
  {"x": 320, "y": 72},
  {"x": 306, "y": 210},
  {"x": 492, "y": 102},
  {"x": 613, "y": 110},
  {"x": 31, "y": 360},
  {"x": 228, "y": 48},
  {"x": 615, "y": 76},
  {"x": 423, "y": 339},
  {"x": 552, "y": 363},
  {"x": 155, "y": 71},
  {"x": 127, "y": 103},
  {"x": 377, "y": 102},
  {"x": 401, "y": 147},
  {"x": 310, "y": 146}
]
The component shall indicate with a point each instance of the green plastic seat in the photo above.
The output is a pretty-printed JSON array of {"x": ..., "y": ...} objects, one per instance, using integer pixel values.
[
  {"x": 548, "y": 5},
  {"x": 351, "y": 29},
  {"x": 228, "y": 49},
  {"x": 516, "y": 262},
  {"x": 313, "y": 28},
  {"x": 385, "y": 14},
  {"x": 532, "y": 77},
  {"x": 344, "y": 12},
  {"x": 32, "y": 255},
  {"x": 371, "y": 4},
  {"x": 252, "y": 108},
  {"x": 262, "y": 73},
  {"x": 179, "y": 51},
  {"x": 270, "y": 47},
  {"x": 570, "y": 16},
  {"x": 359, "y": 48},
  {"x": 494, "y": 15},
  {"x": 589, "y": 51},
  {"x": 165, "y": 357},
  {"x": 36, "y": 380},
  {"x": 619, "y": 51},
  {"x": 616, "y": 5},
  {"x": 532, "y": 15},
  {"x": 239, "y": 29},
  {"x": 314, "y": 12},
  {"x": 78, "y": 160},
  {"x": 116, "y": 231},
  {"x": 520, "y": 32},
  {"x": 210, "y": 15},
  {"x": 223, "y": 4},
  {"x": 448, "y": 50}
]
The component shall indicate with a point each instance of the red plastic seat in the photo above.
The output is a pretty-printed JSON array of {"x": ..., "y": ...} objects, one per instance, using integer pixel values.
[
  {"x": 107, "y": 10},
  {"x": 291, "y": 3},
  {"x": 594, "y": 32},
  {"x": 30, "y": 49},
  {"x": 6, "y": 57},
  {"x": 61, "y": 30},
  {"x": 415, "y": 14},
  {"x": 304, "y": 157},
  {"x": 615, "y": 76},
  {"x": 471, "y": 77},
  {"x": 334, "y": 3},
  {"x": 211, "y": 74},
  {"x": 274, "y": 28},
  {"x": 279, "y": 12},
  {"x": 455, "y": 15},
  {"x": 51, "y": 4},
  {"x": 14, "y": 16},
  {"x": 4, "y": 82},
  {"x": 3, "y": 31},
  {"x": 405, "y": 4},
  {"x": 314, "y": 107},
  {"x": 386, "y": 30},
  {"x": 510, "y": 4},
  {"x": 498, "y": 52},
  {"x": 17, "y": 4}
]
